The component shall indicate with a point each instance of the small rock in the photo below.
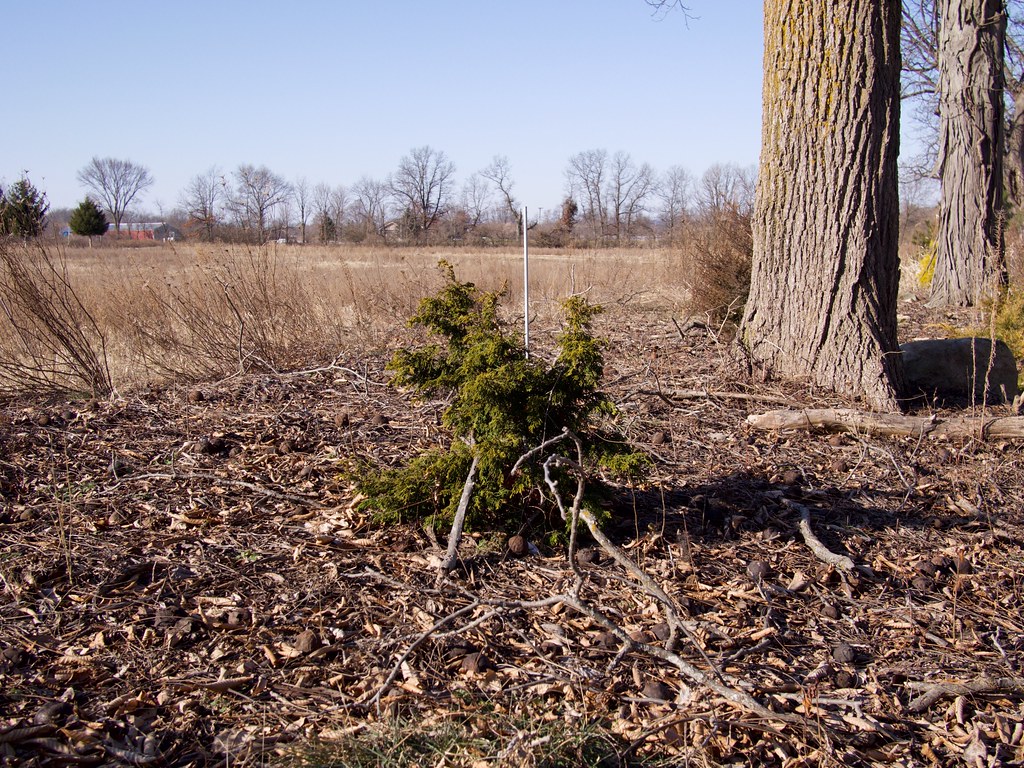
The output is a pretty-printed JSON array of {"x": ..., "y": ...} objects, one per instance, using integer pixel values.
[
  {"x": 758, "y": 570},
  {"x": 306, "y": 641},
  {"x": 922, "y": 583},
  {"x": 661, "y": 631},
  {"x": 657, "y": 690},
  {"x": 476, "y": 663},
  {"x": 517, "y": 545},
  {"x": 459, "y": 648},
  {"x": 844, "y": 653},
  {"x": 211, "y": 445},
  {"x": 606, "y": 640},
  {"x": 640, "y": 636},
  {"x": 799, "y": 582},
  {"x": 586, "y": 557},
  {"x": 118, "y": 467},
  {"x": 845, "y": 679}
]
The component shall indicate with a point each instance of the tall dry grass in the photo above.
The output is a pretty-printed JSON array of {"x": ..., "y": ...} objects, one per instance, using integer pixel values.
[
  {"x": 199, "y": 312},
  {"x": 50, "y": 341}
]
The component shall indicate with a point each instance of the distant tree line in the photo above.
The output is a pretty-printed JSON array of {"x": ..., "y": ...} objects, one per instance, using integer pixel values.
[{"x": 610, "y": 199}]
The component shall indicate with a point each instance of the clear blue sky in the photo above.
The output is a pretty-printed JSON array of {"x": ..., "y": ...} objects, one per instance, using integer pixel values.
[{"x": 336, "y": 89}]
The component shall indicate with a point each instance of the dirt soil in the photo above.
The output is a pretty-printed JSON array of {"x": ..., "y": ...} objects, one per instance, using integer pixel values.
[{"x": 186, "y": 579}]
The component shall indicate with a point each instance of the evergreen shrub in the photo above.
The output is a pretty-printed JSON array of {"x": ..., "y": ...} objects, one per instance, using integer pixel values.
[{"x": 501, "y": 404}]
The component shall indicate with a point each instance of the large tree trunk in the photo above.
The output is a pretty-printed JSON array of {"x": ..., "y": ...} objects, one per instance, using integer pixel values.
[
  {"x": 1013, "y": 169},
  {"x": 970, "y": 262},
  {"x": 825, "y": 275}
]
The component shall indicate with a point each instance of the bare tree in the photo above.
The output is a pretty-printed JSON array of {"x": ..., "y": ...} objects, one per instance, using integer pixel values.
[
  {"x": 201, "y": 200},
  {"x": 340, "y": 205},
  {"x": 919, "y": 43},
  {"x": 727, "y": 187},
  {"x": 822, "y": 303},
  {"x": 476, "y": 198},
  {"x": 116, "y": 182},
  {"x": 329, "y": 209},
  {"x": 372, "y": 205},
  {"x": 629, "y": 188},
  {"x": 423, "y": 182},
  {"x": 302, "y": 194},
  {"x": 500, "y": 172},
  {"x": 258, "y": 191},
  {"x": 663, "y": 7},
  {"x": 586, "y": 176},
  {"x": 675, "y": 191}
]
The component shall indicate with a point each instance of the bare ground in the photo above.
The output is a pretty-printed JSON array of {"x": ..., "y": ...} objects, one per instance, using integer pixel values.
[{"x": 187, "y": 581}]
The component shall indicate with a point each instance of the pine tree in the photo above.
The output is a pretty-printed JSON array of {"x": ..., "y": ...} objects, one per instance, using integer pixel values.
[
  {"x": 23, "y": 210},
  {"x": 88, "y": 220}
]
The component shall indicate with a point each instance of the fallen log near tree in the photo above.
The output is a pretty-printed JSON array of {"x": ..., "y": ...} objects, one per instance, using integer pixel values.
[{"x": 891, "y": 424}]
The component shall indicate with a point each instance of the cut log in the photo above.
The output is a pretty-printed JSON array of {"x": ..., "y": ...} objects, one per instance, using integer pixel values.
[{"x": 867, "y": 423}]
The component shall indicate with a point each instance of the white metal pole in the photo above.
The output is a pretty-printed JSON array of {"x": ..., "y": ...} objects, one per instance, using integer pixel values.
[{"x": 526, "y": 284}]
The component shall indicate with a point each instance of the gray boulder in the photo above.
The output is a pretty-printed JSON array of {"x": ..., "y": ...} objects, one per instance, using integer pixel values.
[{"x": 954, "y": 369}]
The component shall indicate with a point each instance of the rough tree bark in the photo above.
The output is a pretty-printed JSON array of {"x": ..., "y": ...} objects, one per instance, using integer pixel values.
[
  {"x": 825, "y": 275},
  {"x": 1013, "y": 168},
  {"x": 970, "y": 263}
]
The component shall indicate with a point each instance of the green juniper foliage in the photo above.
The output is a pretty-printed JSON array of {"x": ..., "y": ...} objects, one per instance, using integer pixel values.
[{"x": 502, "y": 404}]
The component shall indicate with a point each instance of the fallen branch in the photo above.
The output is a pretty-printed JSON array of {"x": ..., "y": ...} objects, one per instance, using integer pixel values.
[
  {"x": 890, "y": 424},
  {"x": 938, "y": 691},
  {"x": 455, "y": 535},
  {"x": 577, "y": 512},
  {"x": 823, "y": 553},
  {"x": 713, "y": 394}
]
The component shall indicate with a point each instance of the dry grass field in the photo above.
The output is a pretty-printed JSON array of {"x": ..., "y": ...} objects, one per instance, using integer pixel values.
[{"x": 191, "y": 312}]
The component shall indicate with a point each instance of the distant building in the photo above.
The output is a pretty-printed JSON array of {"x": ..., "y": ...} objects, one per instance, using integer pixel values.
[{"x": 148, "y": 230}]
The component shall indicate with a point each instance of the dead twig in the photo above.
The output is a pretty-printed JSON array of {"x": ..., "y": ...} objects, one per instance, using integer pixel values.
[
  {"x": 711, "y": 394},
  {"x": 823, "y": 553},
  {"x": 935, "y": 692},
  {"x": 455, "y": 536}
]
